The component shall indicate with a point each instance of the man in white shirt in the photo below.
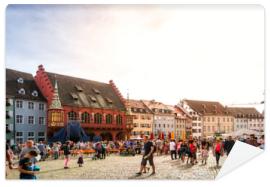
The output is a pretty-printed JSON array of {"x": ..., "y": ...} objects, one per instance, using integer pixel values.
[{"x": 173, "y": 149}]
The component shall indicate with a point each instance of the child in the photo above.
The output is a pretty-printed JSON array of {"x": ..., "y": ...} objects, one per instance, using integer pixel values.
[
  {"x": 204, "y": 154},
  {"x": 25, "y": 166},
  {"x": 80, "y": 159}
]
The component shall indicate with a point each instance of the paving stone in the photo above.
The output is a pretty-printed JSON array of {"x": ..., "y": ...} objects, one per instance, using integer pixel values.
[{"x": 119, "y": 167}]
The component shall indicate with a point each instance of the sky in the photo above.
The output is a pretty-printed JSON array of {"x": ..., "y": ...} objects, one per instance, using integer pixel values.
[{"x": 161, "y": 52}]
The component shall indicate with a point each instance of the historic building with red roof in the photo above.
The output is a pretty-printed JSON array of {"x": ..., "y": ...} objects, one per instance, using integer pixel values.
[{"x": 99, "y": 107}]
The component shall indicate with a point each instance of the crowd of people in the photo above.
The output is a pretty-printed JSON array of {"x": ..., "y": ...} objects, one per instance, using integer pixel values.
[{"x": 191, "y": 151}]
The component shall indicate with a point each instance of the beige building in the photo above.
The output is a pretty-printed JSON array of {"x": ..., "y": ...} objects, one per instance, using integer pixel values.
[
  {"x": 182, "y": 122},
  {"x": 143, "y": 119},
  {"x": 215, "y": 118}
]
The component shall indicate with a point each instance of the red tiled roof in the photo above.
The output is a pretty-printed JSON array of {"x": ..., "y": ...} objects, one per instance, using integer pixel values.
[
  {"x": 207, "y": 107},
  {"x": 249, "y": 112}
]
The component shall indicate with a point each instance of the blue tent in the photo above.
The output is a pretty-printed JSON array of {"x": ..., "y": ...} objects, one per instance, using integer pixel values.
[{"x": 72, "y": 131}]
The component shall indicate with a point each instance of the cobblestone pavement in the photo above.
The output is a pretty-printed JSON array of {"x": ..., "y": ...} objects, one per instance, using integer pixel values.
[{"x": 119, "y": 167}]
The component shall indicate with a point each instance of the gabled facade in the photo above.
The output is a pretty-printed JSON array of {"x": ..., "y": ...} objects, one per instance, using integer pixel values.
[
  {"x": 183, "y": 123},
  {"x": 143, "y": 119},
  {"x": 99, "y": 107},
  {"x": 26, "y": 107}
]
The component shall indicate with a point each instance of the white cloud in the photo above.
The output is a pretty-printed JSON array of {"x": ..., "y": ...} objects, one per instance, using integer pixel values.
[{"x": 162, "y": 52}]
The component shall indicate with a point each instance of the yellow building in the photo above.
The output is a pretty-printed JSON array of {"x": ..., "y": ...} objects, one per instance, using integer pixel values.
[
  {"x": 143, "y": 119},
  {"x": 215, "y": 118},
  {"x": 221, "y": 123}
]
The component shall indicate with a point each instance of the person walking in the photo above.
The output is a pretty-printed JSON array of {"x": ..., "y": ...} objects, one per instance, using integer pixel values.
[
  {"x": 148, "y": 155},
  {"x": 25, "y": 165},
  {"x": 228, "y": 145},
  {"x": 218, "y": 151},
  {"x": 173, "y": 149},
  {"x": 178, "y": 147},
  {"x": 204, "y": 154},
  {"x": 80, "y": 159},
  {"x": 67, "y": 152},
  {"x": 9, "y": 159},
  {"x": 183, "y": 151},
  {"x": 29, "y": 146},
  {"x": 103, "y": 150},
  {"x": 55, "y": 150}
]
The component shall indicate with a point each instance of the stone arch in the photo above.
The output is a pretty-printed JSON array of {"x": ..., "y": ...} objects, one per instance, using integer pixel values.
[
  {"x": 90, "y": 134},
  {"x": 120, "y": 136},
  {"x": 106, "y": 136}
]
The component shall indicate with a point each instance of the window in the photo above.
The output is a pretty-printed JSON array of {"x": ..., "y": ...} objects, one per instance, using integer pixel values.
[
  {"x": 20, "y": 80},
  {"x": 19, "y": 137},
  {"x": 30, "y": 105},
  {"x": 30, "y": 119},
  {"x": 41, "y": 120},
  {"x": 19, "y": 119},
  {"x": 41, "y": 106},
  {"x": 96, "y": 91},
  {"x": 109, "y": 118},
  {"x": 21, "y": 91},
  {"x": 213, "y": 119},
  {"x": 208, "y": 129},
  {"x": 19, "y": 104},
  {"x": 98, "y": 118},
  {"x": 35, "y": 93},
  {"x": 41, "y": 133},
  {"x": 31, "y": 136},
  {"x": 19, "y": 134},
  {"x": 72, "y": 115},
  {"x": 85, "y": 117},
  {"x": 119, "y": 120}
]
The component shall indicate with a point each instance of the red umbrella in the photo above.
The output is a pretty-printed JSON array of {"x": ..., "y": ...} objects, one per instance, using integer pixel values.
[
  {"x": 162, "y": 136},
  {"x": 151, "y": 136},
  {"x": 169, "y": 135}
]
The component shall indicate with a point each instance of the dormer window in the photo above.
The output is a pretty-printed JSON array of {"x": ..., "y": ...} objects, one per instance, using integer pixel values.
[
  {"x": 96, "y": 91},
  {"x": 78, "y": 88},
  {"x": 109, "y": 100},
  {"x": 35, "y": 93},
  {"x": 21, "y": 91},
  {"x": 93, "y": 99},
  {"x": 74, "y": 96},
  {"x": 20, "y": 80}
]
